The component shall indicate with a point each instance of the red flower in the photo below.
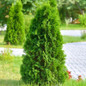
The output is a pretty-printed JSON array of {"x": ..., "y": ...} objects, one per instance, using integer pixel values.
[
  {"x": 69, "y": 74},
  {"x": 79, "y": 78}
]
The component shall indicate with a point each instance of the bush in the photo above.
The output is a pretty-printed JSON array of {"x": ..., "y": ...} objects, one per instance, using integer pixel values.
[
  {"x": 15, "y": 33},
  {"x": 6, "y": 55},
  {"x": 82, "y": 19},
  {"x": 44, "y": 60},
  {"x": 83, "y": 36},
  {"x": 62, "y": 12}
]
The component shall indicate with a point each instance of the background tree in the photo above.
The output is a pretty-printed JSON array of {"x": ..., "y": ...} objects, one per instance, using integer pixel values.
[
  {"x": 30, "y": 6},
  {"x": 5, "y": 5},
  {"x": 44, "y": 60},
  {"x": 15, "y": 33},
  {"x": 72, "y": 7},
  {"x": 4, "y": 10}
]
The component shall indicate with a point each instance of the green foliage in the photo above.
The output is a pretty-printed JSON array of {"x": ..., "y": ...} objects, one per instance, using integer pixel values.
[
  {"x": 72, "y": 8},
  {"x": 82, "y": 19},
  {"x": 62, "y": 12},
  {"x": 15, "y": 33},
  {"x": 28, "y": 19},
  {"x": 4, "y": 10},
  {"x": 83, "y": 36},
  {"x": 6, "y": 55},
  {"x": 44, "y": 60},
  {"x": 28, "y": 6},
  {"x": 53, "y": 3},
  {"x": 72, "y": 3}
]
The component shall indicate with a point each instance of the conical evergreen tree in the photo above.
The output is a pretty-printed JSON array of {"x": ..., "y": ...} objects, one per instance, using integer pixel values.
[
  {"x": 15, "y": 33},
  {"x": 44, "y": 60}
]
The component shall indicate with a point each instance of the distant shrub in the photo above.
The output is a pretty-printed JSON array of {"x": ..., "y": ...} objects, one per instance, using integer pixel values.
[
  {"x": 83, "y": 36},
  {"x": 6, "y": 55},
  {"x": 15, "y": 33},
  {"x": 67, "y": 21},
  {"x": 62, "y": 12},
  {"x": 82, "y": 19}
]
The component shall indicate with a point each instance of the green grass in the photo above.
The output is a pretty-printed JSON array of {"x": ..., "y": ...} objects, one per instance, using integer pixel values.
[
  {"x": 71, "y": 39},
  {"x": 72, "y": 27},
  {"x": 10, "y": 72},
  {"x": 74, "y": 83},
  {"x": 3, "y": 44},
  {"x": 10, "y": 75}
]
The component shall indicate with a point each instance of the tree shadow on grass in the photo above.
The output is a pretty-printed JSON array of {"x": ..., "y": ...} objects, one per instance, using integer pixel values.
[{"x": 9, "y": 82}]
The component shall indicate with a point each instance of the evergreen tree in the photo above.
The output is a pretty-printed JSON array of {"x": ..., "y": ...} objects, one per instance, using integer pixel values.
[
  {"x": 44, "y": 60},
  {"x": 15, "y": 33}
]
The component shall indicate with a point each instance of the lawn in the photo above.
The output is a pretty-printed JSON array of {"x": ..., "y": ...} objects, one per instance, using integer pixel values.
[
  {"x": 74, "y": 83},
  {"x": 3, "y": 44},
  {"x": 71, "y": 39},
  {"x": 72, "y": 27},
  {"x": 10, "y": 74}
]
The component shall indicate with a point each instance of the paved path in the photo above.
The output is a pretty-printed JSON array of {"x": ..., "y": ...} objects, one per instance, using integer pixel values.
[
  {"x": 3, "y": 28},
  {"x": 15, "y": 51},
  {"x": 75, "y": 59},
  {"x": 72, "y": 32}
]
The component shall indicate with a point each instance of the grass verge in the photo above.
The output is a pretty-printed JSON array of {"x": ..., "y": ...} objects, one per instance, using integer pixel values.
[
  {"x": 71, "y": 39},
  {"x": 3, "y": 44},
  {"x": 10, "y": 75},
  {"x": 72, "y": 27},
  {"x": 74, "y": 83}
]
